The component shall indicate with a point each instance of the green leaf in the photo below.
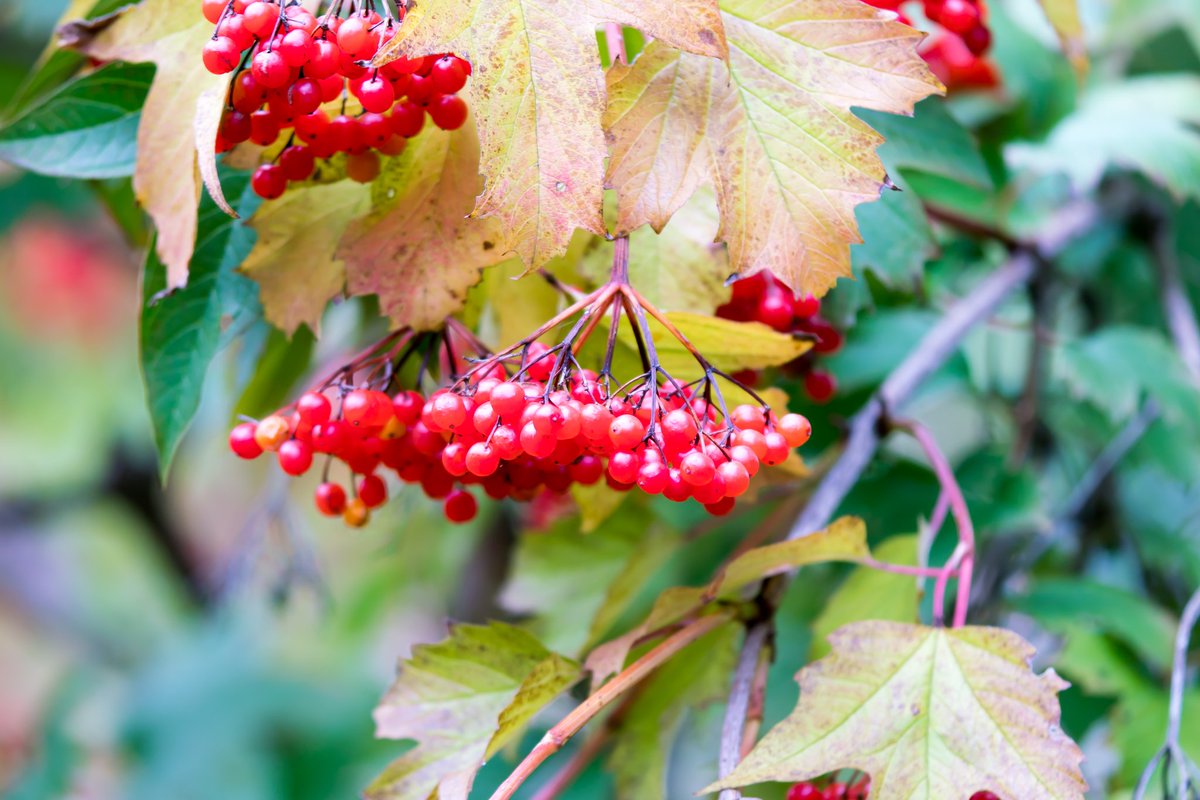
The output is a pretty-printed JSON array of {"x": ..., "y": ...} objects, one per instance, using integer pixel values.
[
  {"x": 182, "y": 331},
  {"x": 1146, "y": 364},
  {"x": 462, "y": 699},
  {"x": 844, "y": 540},
  {"x": 871, "y": 594},
  {"x": 926, "y": 712},
  {"x": 1138, "y": 723},
  {"x": 1147, "y": 629},
  {"x": 1146, "y": 124},
  {"x": 897, "y": 239},
  {"x": 86, "y": 129},
  {"x": 876, "y": 345},
  {"x": 283, "y": 362},
  {"x": 929, "y": 141},
  {"x": 698, "y": 675},
  {"x": 565, "y": 577}
]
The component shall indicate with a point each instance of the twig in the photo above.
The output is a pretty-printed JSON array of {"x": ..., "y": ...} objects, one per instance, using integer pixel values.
[
  {"x": 629, "y": 677},
  {"x": 578, "y": 762},
  {"x": 737, "y": 711}
]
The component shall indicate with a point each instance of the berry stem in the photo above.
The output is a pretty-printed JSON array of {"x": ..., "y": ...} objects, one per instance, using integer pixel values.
[{"x": 625, "y": 680}]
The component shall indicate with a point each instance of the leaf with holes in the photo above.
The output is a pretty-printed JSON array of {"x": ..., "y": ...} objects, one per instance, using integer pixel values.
[
  {"x": 926, "y": 712},
  {"x": 537, "y": 96},
  {"x": 774, "y": 132}
]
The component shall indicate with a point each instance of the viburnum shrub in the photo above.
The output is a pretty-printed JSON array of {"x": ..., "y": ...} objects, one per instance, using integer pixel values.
[
  {"x": 764, "y": 298},
  {"x": 306, "y": 81},
  {"x": 528, "y": 419}
]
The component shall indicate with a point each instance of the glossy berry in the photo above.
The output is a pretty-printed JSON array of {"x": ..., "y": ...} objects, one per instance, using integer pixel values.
[
  {"x": 820, "y": 386},
  {"x": 448, "y": 112},
  {"x": 213, "y": 10},
  {"x": 985, "y": 795},
  {"x": 270, "y": 70},
  {"x": 448, "y": 74},
  {"x": 295, "y": 457},
  {"x": 269, "y": 181},
  {"x": 221, "y": 55},
  {"x": 296, "y": 163},
  {"x": 804, "y": 791},
  {"x": 261, "y": 17},
  {"x": 271, "y": 432},
  {"x": 372, "y": 491},
  {"x": 242, "y": 441},
  {"x": 362, "y": 167},
  {"x": 356, "y": 514},
  {"x": 330, "y": 499},
  {"x": 376, "y": 94},
  {"x": 958, "y": 16},
  {"x": 460, "y": 506}
]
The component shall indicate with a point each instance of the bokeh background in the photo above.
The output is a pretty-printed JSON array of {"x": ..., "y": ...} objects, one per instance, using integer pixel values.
[{"x": 215, "y": 639}]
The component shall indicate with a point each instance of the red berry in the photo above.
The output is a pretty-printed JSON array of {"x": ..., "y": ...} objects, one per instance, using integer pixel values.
[
  {"x": 269, "y": 182},
  {"x": 330, "y": 499},
  {"x": 392, "y": 146},
  {"x": 374, "y": 128},
  {"x": 247, "y": 96},
  {"x": 310, "y": 127},
  {"x": 777, "y": 449},
  {"x": 449, "y": 411},
  {"x": 460, "y": 506},
  {"x": 820, "y": 386},
  {"x": 736, "y": 478},
  {"x": 407, "y": 119},
  {"x": 304, "y": 97},
  {"x": 297, "y": 163},
  {"x": 323, "y": 59},
  {"x": 805, "y": 305},
  {"x": 314, "y": 407},
  {"x": 261, "y": 17},
  {"x": 344, "y": 133},
  {"x": 296, "y": 48},
  {"x": 624, "y": 467},
  {"x": 235, "y": 126},
  {"x": 626, "y": 432},
  {"x": 270, "y": 70},
  {"x": 977, "y": 39},
  {"x": 985, "y": 795},
  {"x": 376, "y": 94},
  {"x": 448, "y": 112},
  {"x": 242, "y": 442},
  {"x": 295, "y": 457},
  {"x": 448, "y": 74},
  {"x": 958, "y": 16},
  {"x": 372, "y": 491},
  {"x": 652, "y": 477},
  {"x": 697, "y": 469},
  {"x": 213, "y": 9},
  {"x": 775, "y": 309},
  {"x": 234, "y": 27},
  {"x": 482, "y": 459},
  {"x": 221, "y": 55},
  {"x": 353, "y": 36},
  {"x": 796, "y": 429},
  {"x": 747, "y": 417}
]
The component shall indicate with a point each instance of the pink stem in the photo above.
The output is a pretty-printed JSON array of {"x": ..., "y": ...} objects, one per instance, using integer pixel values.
[{"x": 904, "y": 569}]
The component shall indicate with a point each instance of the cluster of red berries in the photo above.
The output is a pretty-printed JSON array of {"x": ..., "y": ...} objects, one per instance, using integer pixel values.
[
  {"x": 956, "y": 52},
  {"x": 859, "y": 790},
  {"x": 516, "y": 439},
  {"x": 834, "y": 790},
  {"x": 764, "y": 298},
  {"x": 289, "y": 64}
]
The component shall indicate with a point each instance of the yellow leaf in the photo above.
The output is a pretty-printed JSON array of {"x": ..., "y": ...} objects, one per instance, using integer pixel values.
[
  {"x": 415, "y": 249},
  {"x": 184, "y": 105},
  {"x": 774, "y": 133},
  {"x": 926, "y": 712},
  {"x": 1063, "y": 16},
  {"x": 294, "y": 258},
  {"x": 728, "y": 345},
  {"x": 537, "y": 96}
]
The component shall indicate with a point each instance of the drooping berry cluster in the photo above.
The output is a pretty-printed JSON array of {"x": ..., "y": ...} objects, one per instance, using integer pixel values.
[
  {"x": 956, "y": 52},
  {"x": 858, "y": 789},
  {"x": 762, "y": 297},
  {"x": 308, "y": 78}
]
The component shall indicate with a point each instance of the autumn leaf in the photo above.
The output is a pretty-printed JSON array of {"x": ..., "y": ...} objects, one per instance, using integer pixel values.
[
  {"x": 844, "y": 540},
  {"x": 1063, "y": 16},
  {"x": 184, "y": 103},
  {"x": 774, "y": 133},
  {"x": 415, "y": 249},
  {"x": 537, "y": 95},
  {"x": 294, "y": 258},
  {"x": 926, "y": 712},
  {"x": 463, "y": 699}
]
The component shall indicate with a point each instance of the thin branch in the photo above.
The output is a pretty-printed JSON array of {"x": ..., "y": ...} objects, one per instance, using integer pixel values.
[
  {"x": 578, "y": 762},
  {"x": 737, "y": 711},
  {"x": 629, "y": 677}
]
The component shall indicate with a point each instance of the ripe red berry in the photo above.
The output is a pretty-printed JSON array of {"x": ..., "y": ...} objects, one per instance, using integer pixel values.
[
  {"x": 242, "y": 442},
  {"x": 652, "y": 477},
  {"x": 977, "y": 39},
  {"x": 626, "y": 432},
  {"x": 247, "y": 96},
  {"x": 296, "y": 48},
  {"x": 697, "y": 469},
  {"x": 314, "y": 407},
  {"x": 295, "y": 457},
  {"x": 777, "y": 449},
  {"x": 448, "y": 112},
  {"x": 482, "y": 459},
  {"x": 221, "y": 55},
  {"x": 261, "y": 17},
  {"x": 310, "y": 127},
  {"x": 270, "y": 70},
  {"x": 448, "y": 74},
  {"x": 407, "y": 119},
  {"x": 297, "y": 163},
  {"x": 372, "y": 491},
  {"x": 269, "y": 181},
  {"x": 330, "y": 499},
  {"x": 235, "y": 126},
  {"x": 376, "y": 94},
  {"x": 623, "y": 467},
  {"x": 213, "y": 9},
  {"x": 748, "y": 417},
  {"x": 820, "y": 386},
  {"x": 803, "y": 791},
  {"x": 234, "y": 27},
  {"x": 958, "y": 16},
  {"x": 805, "y": 306},
  {"x": 985, "y": 795},
  {"x": 304, "y": 97},
  {"x": 796, "y": 429},
  {"x": 736, "y": 478},
  {"x": 460, "y": 506},
  {"x": 353, "y": 36}
]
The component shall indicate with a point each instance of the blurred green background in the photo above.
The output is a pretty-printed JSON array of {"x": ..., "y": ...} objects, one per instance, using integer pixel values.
[{"x": 217, "y": 640}]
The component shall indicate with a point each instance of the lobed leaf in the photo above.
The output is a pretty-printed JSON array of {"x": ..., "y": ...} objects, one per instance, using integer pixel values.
[
  {"x": 773, "y": 131},
  {"x": 462, "y": 699},
  {"x": 926, "y": 712},
  {"x": 537, "y": 96}
]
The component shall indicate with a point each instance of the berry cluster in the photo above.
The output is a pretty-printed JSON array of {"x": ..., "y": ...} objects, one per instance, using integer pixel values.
[
  {"x": 956, "y": 52},
  {"x": 310, "y": 78},
  {"x": 519, "y": 438},
  {"x": 762, "y": 297},
  {"x": 834, "y": 790}
]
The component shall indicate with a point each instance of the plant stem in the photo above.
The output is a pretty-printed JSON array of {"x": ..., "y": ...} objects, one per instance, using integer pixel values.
[
  {"x": 629, "y": 677},
  {"x": 737, "y": 711}
]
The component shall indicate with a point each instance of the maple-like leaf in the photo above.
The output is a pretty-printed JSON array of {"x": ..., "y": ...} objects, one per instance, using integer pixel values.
[
  {"x": 294, "y": 260},
  {"x": 184, "y": 103},
  {"x": 927, "y": 712},
  {"x": 774, "y": 132},
  {"x": 415, "y": 249},
  {"x": 537, "y": 96},
  {"x": 462, "y": 699}
]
